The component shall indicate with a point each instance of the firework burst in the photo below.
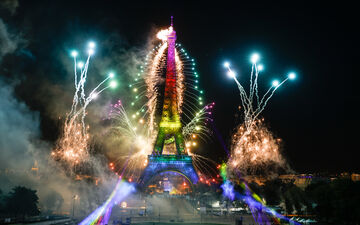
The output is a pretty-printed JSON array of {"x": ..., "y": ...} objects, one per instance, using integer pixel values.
[
  {"x": 254, "y": 147},
  {"x": 138, "y": 124},
  {"x": 72, "y": 147}
]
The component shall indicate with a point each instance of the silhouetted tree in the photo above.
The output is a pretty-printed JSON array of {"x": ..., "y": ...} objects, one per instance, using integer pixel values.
[
  {"x": 272, "y": 192},
  {"x": 295, "y": 199},
  {"x": 1, "y": 202},
  {"x": 22, "y": 201},
  {"x": 52, "y": 202},
  {"x": 337, "y": 201}
]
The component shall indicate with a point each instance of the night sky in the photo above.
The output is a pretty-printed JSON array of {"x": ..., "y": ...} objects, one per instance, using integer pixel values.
[{"x": 314, "y": 115}]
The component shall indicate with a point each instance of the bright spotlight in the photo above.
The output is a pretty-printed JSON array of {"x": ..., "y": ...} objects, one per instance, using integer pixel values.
[
  {"x": 260, "y": 67},
  {"x": 91, "y": 51},
  {"x": 275, "y": 83},
  {"x": 231, "y": 74},
  {"x": 80, "y": 64},
  {"x": 111, "y": 75},
  {"x": 113, "y": 84},
  {"x": 74, "y": 53},
  {"x": 292, "y": 76},
  {"x": 255, "y": 57},
  {"x": 91, "y": 44},
  {"x": 226, "y": 64}
]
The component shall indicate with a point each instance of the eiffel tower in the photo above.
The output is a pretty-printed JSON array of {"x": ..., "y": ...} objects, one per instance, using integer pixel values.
[{"x": 170, "y": 126}]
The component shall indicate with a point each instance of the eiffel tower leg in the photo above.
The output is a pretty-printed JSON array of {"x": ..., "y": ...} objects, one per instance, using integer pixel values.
[
  {"x": 159, "y": 144},
  {"x": 179, "y": 141}
]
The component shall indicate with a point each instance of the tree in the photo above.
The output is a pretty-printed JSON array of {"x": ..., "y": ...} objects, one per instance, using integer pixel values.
[
  {"x": 1, "y": 202},
  {"x": 22, "y": 201},
  {"x": 272, "y": 191},
  {"x": 337, "y": 201},
  {"x": 52, "y": 202},
  {"x": 295, "y": 199}
]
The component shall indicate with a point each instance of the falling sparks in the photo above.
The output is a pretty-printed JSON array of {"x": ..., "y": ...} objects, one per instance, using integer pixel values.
[
  {"x": 72, "y": 146},
  {"x": 254, "y": 147},
  {"x": 125, "y": 129},
  {"x": 198, "y": 123},
  {"x": 137, "y": 125},
  {"x": 152, "y": 80}
]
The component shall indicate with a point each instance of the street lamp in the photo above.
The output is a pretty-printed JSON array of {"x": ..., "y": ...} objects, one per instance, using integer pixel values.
[{"x": 74, "y": 197}]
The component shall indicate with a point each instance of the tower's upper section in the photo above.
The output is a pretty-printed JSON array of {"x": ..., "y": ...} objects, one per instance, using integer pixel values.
[
  {"x": 170, "y": 124},
  {"x": 172, "y": 33},
  {"x": 170, "y": 112}
]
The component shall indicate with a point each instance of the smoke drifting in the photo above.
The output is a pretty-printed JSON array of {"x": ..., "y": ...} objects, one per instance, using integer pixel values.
[
  {"x": 24, "y": 160},
  {"x": 19, "y": 127},
  {"x": 38, "y": 93},
  {"x": 25, "y": 149},
  {"x": 8, "y": 41},
  {"x": 10, "y": 5}
]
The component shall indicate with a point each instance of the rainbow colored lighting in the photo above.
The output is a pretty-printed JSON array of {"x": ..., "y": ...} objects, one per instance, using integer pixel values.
[
  {"x": 170, "y": 127},
  {"x": 253, "y": 200},
  {"x": 102, "y": 214},
  {"x": 170, "y": 120},
  {"x": 181, "y": 164}
]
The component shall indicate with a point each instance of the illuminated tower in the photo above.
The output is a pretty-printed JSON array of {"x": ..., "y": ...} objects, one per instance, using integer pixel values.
[
  {"x": 170, "y": 126},
  {"x": 170, "y": 120}
]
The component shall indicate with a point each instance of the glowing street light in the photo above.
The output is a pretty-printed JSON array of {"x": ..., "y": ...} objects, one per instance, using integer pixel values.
[
  {"x": 226, "y": 64},
  {"x": 123, "y": 205}
]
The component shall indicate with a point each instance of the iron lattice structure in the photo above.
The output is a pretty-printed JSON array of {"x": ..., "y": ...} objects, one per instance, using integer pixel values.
[{"x": 170, "y": 126}]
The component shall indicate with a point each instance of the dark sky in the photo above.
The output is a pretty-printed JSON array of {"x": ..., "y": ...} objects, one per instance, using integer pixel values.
[{"x": 313, "y": 115}]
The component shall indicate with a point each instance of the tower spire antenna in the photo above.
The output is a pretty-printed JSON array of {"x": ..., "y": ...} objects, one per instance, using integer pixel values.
[{"x": 172, "y": 18}]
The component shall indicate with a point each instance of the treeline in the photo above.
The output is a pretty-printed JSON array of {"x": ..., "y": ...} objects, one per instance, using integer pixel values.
[
  {"x": 20, "y": 202},
  {"x": 336, "y": 202}
]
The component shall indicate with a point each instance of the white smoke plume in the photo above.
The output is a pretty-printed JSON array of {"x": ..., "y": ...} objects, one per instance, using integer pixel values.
[
  {"x": 9, "y": 5},
  {"x": 8, "y": 41},
  {"x": 24, "y": 161}
]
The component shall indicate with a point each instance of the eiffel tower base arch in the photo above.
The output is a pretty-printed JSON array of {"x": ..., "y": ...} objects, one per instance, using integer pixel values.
[{"x": 157, "y": 164}]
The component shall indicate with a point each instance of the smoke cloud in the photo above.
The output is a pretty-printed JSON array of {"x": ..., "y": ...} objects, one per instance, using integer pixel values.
[
  {"x": 24, "y": 161},
  {"x": 8, "y": 41},
  {"x": 24, "y": 154},
  {"x": 10, "y": 5}
]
